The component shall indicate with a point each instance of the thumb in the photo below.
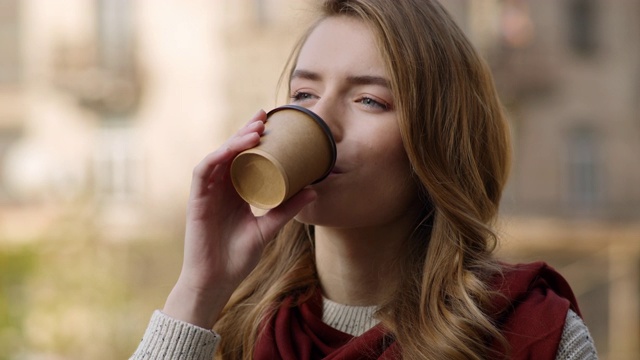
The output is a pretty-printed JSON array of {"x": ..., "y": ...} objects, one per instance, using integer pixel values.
[{"x": 271, "y": 222}]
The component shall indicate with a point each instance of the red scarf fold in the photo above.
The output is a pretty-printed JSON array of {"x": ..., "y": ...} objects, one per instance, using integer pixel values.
[
  {"x": 297, "y": 332},
  {"x": 531, "y": 314},
  {"x": 533, "y": 310}
]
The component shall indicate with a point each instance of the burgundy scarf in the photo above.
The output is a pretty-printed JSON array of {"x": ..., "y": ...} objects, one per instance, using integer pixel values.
[
  {"x": 533, "y": 310},
  {"x": 531, "y": 315}
]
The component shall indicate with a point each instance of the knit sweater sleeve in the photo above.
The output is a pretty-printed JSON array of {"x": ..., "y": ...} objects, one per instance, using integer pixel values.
[
  {"x": 168, "y": 338},
  {"x": 576, "y": 342}
]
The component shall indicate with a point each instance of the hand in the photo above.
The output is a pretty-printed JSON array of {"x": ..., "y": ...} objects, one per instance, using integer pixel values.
[{"x": 224, "y": 240}]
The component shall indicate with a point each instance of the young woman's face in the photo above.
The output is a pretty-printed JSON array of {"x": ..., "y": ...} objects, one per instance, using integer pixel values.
[{"x": 340, "y": 75}]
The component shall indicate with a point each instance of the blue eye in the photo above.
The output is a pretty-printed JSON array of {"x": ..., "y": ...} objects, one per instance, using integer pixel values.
[
  {"x": 301, "y": 96},
  {"x": 367, "y": 101}
]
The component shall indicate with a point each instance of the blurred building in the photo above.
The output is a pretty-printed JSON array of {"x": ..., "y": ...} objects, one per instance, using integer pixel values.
[
  {"x": 107, "y": 105},
  {"x": 569, "y": 74}
]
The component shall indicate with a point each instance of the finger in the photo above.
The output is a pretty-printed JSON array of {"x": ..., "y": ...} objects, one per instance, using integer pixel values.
[
  {"x": 216, "y": 161},
  {"x": 253, "y": 127},
  {"x": 256, "y": 124},
  {"x": 261, "y": 116},
  {"x": 242, "y": 140},
  {"x": 271, "y": 222},
  {"x": 237, "y": 142}
]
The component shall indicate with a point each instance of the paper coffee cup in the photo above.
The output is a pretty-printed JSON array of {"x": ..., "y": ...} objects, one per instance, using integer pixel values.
[{"x": 295, "y": 150}]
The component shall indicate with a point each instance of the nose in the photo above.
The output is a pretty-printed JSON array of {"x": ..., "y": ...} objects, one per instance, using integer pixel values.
[{"x": 330, "y": 112}]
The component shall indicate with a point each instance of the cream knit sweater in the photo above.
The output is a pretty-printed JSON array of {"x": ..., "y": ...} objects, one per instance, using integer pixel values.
[{"x": 167, "y": 338}]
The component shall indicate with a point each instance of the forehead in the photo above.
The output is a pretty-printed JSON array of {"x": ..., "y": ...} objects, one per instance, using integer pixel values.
[{"x": 342, "y": 44}]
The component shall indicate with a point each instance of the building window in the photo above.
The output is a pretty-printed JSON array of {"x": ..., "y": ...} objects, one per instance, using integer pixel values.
[
  {"x": 115, "y": 35},
  {"x": 117, "y": 163},
  {"x": 582, "y": 26},
  {"x": 114, "y": 89},
  {"x": 9, "y": 42},
  {"x": 260, "y": 10},
  {"x": 8, "y": 138},
  {"x": 583, "y": 168}
]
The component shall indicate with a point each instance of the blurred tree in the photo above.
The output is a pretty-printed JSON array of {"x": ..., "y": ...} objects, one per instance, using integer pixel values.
[{"x": 16, "y": 265}]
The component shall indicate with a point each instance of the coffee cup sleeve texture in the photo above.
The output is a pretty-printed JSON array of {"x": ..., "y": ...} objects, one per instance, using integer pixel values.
[{"x": 296, "y": 150}]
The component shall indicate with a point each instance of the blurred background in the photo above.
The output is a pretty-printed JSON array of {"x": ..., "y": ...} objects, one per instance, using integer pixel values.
[{"x": 107, "y": 105}]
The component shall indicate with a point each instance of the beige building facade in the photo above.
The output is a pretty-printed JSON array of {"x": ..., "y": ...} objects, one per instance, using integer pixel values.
[
  {"x": 107, "y": 105},
  {"x": 569, "y": 73},
  {"x": 112, "y": 103}
]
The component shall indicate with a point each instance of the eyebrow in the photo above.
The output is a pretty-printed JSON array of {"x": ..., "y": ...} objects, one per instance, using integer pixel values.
[{"x": 355, "y": 79}]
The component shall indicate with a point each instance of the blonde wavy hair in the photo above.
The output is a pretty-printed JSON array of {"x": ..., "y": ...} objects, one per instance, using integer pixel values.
[{"x": 455, "y": 135}]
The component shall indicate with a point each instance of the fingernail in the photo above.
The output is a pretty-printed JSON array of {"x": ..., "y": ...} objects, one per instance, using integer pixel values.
[
  {"x": 255, "y": 118},
  {"x": 259, "y": 113}
]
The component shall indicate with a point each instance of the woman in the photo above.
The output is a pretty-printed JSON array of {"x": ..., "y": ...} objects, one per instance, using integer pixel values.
[{"x": 391, "y": 256}]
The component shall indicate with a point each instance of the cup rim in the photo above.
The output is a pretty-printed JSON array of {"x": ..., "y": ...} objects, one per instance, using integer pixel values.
[{"x": 323, "y": 126}]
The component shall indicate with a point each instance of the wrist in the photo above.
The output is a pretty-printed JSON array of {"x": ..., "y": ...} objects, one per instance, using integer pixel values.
[{"x": 197, "y": 307}]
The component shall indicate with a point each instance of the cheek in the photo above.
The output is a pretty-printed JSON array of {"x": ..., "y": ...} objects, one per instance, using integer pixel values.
[
  {"x": 380, "y": 189},
  {"x": 387, "y": 157},
  {"x": 396, "y": 180},
  {"x": 390, "y": 172}
]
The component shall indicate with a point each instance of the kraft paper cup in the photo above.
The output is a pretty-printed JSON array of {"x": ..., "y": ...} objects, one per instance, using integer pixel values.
[{"x": 295, "y": 150}]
